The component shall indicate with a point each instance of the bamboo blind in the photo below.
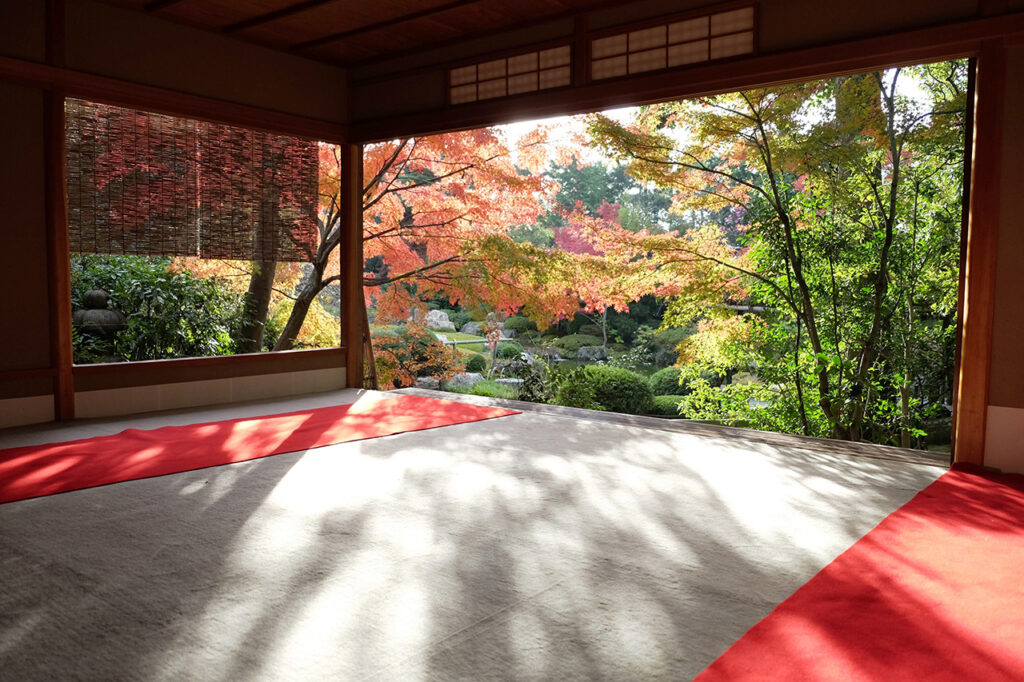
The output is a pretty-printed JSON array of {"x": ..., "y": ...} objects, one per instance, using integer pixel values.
[{"x": 142, "y": 183}]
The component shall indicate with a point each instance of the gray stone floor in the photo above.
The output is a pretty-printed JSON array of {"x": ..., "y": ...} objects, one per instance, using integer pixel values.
[{"x": 533, "y": 547}]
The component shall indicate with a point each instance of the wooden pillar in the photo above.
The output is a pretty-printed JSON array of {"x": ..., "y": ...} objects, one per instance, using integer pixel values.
[
  {"x": 352, "y": 306},
  {"x": 979, "y": 267},
  {"x": 58, "y": 255}
]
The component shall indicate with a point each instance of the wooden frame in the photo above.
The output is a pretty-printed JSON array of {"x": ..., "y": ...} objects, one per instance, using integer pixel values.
[
  {"x": 126, "y": 93},
  {"x": 58, "y": 83},
  {"x": 961, "y": 39},
  {"x": 985, "y": 37},
  {"x": 153, "y": 372},
  {"x": 352, "y": 304},
  {"x": 58, "y": 255},
  {"x": 978, "y": 270}
]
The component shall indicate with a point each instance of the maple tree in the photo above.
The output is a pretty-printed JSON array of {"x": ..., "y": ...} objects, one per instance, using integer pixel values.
[
  {"x": 845, "y": 194},
  {"x": 437, "y": 216}
]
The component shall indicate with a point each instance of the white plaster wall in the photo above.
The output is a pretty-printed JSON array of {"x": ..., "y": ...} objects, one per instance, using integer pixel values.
[
  {"x": 1004, "y": 438},
  {"x": 31, "y": 410},
  {"x": 135, "y": 399}
]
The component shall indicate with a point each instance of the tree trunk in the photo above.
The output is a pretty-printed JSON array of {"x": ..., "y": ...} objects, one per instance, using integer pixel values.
[
  {"x": 294, "y": 324},
  {"x": 257, "y": 303}
]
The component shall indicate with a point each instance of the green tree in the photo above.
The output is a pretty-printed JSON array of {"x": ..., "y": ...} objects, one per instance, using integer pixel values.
[{"x": 848, "y": 192}]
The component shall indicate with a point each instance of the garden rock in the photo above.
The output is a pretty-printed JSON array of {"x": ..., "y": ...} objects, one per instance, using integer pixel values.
[
  {"x": 592, "y": 353},
  {"x": 508, "y": 333},
  {"x": 465, "y": 380},
  {"x": 438, "y": 319},
  {"x": 428, "y": 382},
  {"x": 471, "y": 328}
]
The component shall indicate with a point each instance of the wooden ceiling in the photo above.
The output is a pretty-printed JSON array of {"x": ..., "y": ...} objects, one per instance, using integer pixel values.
[{"x": 350, "y": 32}]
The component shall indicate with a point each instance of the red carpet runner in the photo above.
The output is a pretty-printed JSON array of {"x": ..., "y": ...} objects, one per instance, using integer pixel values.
[
  {"x": 36, "y": 470},
  {"x": 934, "y": 592}
]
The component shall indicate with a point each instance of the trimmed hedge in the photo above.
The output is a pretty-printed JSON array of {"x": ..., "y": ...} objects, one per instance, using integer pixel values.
[
  {"x": 509, "y": 349},
  {"x": 619, "y": 390},
  {"x": 573, "y": 342},
  {"x": 520, "y": 324},
  {"x": 666, "y": 382},
  {"x": 666, "y": 405},
  {"x": 476, "y": 363}
]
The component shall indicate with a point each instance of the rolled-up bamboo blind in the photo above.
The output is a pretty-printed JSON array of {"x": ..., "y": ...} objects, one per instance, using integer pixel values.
[{"x": 148, "y": 184}]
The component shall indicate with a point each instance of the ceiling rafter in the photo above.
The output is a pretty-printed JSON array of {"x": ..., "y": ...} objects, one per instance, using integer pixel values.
[
  {"x": 369, "y": 28},
  {"x": 574, "y": 13},
  {"x": 157, "y": 5},
  {"x": 269, "y": 17}
]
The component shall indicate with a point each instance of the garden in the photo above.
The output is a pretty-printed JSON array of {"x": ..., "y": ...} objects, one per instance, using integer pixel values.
[{"x": 785, "y": 259}]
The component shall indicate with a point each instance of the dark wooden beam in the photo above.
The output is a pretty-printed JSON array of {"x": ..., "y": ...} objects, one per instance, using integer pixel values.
[
  {"x": 58, "y": 253},
  {"x": 157, "y": 5},
  {"x": 126, "y": 93},
  {"x": 965, "y": 218},
  {"x": 352, "y": 304},
  {"x": 369, "y": 28},
  {"x": 959, "y": 39},
  {"x": 482, "y": 36},
  {"x": 152, "y": 372},
  {"x": 269, "y": 17},
  {"x": 979, "y": 269}
]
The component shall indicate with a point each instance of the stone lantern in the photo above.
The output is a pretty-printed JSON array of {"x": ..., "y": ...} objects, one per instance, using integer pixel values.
[{"x": 96, "y": 318}]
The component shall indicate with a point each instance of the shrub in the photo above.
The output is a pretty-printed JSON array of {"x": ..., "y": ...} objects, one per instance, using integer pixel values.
[
  {"x": 622, "y": 326},
  {"x": 667, "y": 405},
  {"x": 573, "y": 342},
  {"x": 665, "y": 343},
  {"x": 170, "y": 313},
  {"x": 491, "y": 389},
  {"x": 536, "y": 386},
  {"x": 619, "y": 390},
  {"x": 666, "y": 382},
  {"x": 509, "y": 349},
  {"x": 573, "y": 388},
  {"x": 404, "y": 353},
  {"x": 476, "y": 363},
  {"x": 520, "y": 324},
  {"x": 458, "y": 317}
]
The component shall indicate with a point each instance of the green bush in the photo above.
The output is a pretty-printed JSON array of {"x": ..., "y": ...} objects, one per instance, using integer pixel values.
[
  {"x": 476, "y": 363},
  {"x": 520, "y": 324},
  {"x": 169, "y": 314},
  {"x": 573, "y": 388},
  {"x": 666, "y": 405},
  {"x": 509, "y": 349},
  {"x": 494, "y": 390},
  {"x": 573, "y": 342},
  {"x": 458, "y": 317},
  {"x": 665, "y": 343},
  {"x": 619, "y": 390},
  {"x": 666, "y": 382},
  {"x": 491, "y": 389}
]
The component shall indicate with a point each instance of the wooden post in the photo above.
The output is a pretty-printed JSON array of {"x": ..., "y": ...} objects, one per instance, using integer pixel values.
[
  {"x": 978, "y": 301},
  {"x": 58, "y": 253},
  {"x": 352, "y": 305}
]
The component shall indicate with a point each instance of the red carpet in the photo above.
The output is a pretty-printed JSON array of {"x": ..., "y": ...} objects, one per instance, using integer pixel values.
[
  {"x": 36, "y": 470},
  {"x": 934, "y": 592}
]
